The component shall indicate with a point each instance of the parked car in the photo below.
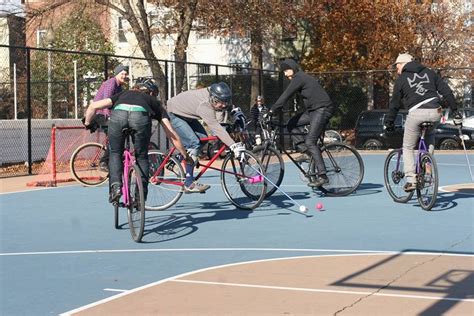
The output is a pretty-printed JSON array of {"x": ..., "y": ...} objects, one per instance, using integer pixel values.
[{"x": 370, "y": 134}]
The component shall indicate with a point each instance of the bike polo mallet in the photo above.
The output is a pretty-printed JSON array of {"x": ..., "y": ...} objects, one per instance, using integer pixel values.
[
  {"x": 465, "y": 150},
  {"x": 302, "y": 209}
]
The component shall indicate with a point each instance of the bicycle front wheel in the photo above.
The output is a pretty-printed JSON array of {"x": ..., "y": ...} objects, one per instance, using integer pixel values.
[
  {"x": 84, "y": 164},
  {"x": 242, "y": 180},
  {"x": 427, "y": 182},
  {"x": 273, "y": 166},
  {"x": 394, "y": 177},
  {"x": 165, "y": 181},
  {"x": 344, "y": 168},
  {"x": 136, "y": 204}
]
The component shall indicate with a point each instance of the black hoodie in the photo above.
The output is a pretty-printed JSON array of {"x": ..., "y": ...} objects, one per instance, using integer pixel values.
[
  {"x": 416, "y": 84},
  {"x": 314, "y": 96}
]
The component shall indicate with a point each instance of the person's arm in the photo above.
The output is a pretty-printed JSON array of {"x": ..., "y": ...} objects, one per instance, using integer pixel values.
[
  {"x": 294, "y": 86},
  {"x": 395, "y": 102},
  {"x": 209, "y": 117},
  {"x": 173, "y": 136},
  {"x": 96, "y": 106},
  {"x": 446, "y": 92}
]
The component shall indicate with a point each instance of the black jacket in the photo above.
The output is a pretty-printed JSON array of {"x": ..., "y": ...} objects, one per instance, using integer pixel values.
[
  {"x": 314, "y": 96},
  {"x": 416, "y": 84}
]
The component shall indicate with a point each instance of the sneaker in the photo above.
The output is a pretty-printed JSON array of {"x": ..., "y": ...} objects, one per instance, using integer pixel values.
[
  {"x": 196, "y": 187},
  {"x": 104, "y": 166},
  {"x": 319, "y": 181},
  {"x": 408, "y": 187},
  {"x": 115, "y": 193},
  {"x": 302, "y": 158}
]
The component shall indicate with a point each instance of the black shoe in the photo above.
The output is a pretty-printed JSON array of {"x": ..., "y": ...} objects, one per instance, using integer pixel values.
[
  {"x": 104, "y": 166},
  {"x": 319, "y": 181},
  {"x": 115, "y": 193}
]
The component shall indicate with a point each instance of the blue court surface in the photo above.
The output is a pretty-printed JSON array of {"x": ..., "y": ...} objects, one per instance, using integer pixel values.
[{"x": 60, "y": 250}]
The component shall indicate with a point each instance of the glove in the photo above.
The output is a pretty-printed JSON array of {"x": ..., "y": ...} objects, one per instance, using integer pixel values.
[
  {"x": 389, "y": 126},
  {"x": 238, "y": 149},
  {"x": 92, "y": 127},
  {"x": 457, "y": 118}
]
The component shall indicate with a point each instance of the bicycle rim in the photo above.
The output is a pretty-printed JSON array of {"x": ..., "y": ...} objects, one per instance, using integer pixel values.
[
  {"x": 344, "y": 168},
  {"x": 243, "y": 183},
  {"x": 427, "y": 182},
  {"x": 84, "y": 165},
  {"x": 165, "y": 181},
  {"x": 273, "y": 166},
  {"x": 136, "y": 207},
  {"x": 394, "y": 177}
]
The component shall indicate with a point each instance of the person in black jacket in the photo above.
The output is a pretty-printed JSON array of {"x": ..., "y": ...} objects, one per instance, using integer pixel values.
[
  {"x": 256, "y": 111},
  {"x": 418, "y": 88},
  {"x": 319, "y": 109}
]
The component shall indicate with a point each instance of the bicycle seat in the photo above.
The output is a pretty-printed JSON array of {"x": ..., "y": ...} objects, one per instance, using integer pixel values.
[{"x": 426, "y": 124}]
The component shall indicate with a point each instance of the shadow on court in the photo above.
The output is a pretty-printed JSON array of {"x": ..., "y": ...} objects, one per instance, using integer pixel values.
[
  {"x": 436, "y": 274},
  {"x": 446, "y": 201}
]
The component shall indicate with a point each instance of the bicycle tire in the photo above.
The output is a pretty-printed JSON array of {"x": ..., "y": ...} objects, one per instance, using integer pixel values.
[
  {"x": 163, "y": 188},
  {"x": 344, "y": 168},
  {"x": 84, "y": 165},
  {"x": 273, "y": 165},
  {"x": 394, "y": 177},
  {"x": 332, "y": 136},
  {"x": 427, "y": 182},
  {"x": 116, "y": 215},
  {"x": 237, "y": 180},
  {"x": 136, "y": 204}
]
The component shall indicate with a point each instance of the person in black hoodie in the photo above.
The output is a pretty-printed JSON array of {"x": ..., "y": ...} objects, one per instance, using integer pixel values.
[
  {"x": 418, "y": 88},
  {"x": 319, "y": 109}
]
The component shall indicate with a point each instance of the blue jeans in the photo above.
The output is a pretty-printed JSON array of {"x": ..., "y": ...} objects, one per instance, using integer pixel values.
[
  {"x": 141, "y": 123},
  {"x": 317, "y": 120},
  {"x": 189, "y": 131}
]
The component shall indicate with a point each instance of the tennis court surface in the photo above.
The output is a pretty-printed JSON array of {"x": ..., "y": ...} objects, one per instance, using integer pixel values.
[{"x": 362, "y": 255}]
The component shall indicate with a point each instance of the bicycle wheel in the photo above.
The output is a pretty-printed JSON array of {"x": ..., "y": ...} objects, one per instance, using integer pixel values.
[
  {"x": 332, "y": 136},
  {"x": 344, "y": 168},
  {"x": 84, "y": 164},
  {"x": 242, "y": 180},
  {"x": 136, "y": 204},
  {"x": 427, "y": 182},
  {"x": 273, "y": 166},
  {"x": 165, "y": 181},
  {"x": 394, "y": 177}
]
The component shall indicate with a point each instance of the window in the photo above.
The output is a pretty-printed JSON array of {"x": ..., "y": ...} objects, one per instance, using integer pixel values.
[
  {"x": 121, "y": 32},
  {"x": 204, "y": 69},
  {"x": 41, "y": 38}
]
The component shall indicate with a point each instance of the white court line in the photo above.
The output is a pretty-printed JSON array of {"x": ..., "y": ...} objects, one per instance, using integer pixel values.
[
  {"x": 436, "y": 298},
  {"x": 237, "y": 264},
  {"x": 115, "y": 290},
  {"x": 72, "y": 252}
]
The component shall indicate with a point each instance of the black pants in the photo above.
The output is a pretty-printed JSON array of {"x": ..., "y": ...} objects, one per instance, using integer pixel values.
[{"x": 317, "y": 120}]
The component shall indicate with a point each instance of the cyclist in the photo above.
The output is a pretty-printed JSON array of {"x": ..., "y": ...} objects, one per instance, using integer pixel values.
[
  {"x": 107, "y": 89},
  {"x": 417, "y": 87},
  {"x": 319, "y": 109},
  {"x": 256, "y": 112},
  {"x": 185, "y": 111},
  {"x": 133, "y": 108}
]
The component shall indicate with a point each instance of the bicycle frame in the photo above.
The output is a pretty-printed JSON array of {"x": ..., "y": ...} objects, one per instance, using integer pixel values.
[{"x": 421, "y": 150}]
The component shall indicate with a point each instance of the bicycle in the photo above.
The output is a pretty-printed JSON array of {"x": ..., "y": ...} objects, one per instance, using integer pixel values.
[
  {"x": 133, "y": 194},
  {"x": 241, "y": 178},
  {"x": 84, "y": 163},
  {"x": 426, "y": 174},
  {"x": 344, "y": 165}
]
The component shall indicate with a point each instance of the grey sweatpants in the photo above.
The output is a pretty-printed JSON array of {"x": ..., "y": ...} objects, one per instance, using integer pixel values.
[{"x": 411, "y": 135}]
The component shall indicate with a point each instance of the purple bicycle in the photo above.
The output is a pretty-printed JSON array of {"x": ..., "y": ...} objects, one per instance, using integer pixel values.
[
  {"x": 133, "y": 196},
  {"x": 426, "y": 174}
]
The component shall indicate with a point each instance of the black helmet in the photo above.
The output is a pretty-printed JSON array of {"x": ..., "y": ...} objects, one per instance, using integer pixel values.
[
  {"x": 147, "y": 85},
  {"x": 220, "y": 92}
]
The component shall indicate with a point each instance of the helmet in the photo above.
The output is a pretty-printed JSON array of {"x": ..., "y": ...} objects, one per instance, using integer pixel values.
[
  {"x": 220, "y": 92},
  {"x": 147, "y": 85}
]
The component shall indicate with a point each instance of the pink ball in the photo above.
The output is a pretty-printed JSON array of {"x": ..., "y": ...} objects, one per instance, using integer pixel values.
[{"x": 319, "y": 206}]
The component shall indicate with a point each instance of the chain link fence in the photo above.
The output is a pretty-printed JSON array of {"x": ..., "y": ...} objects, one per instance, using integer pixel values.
[{"x": 39, "y": 87}]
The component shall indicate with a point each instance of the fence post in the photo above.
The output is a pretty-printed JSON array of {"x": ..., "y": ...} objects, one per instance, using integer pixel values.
[
  {"x": 28, "y": 107},
  {"x": 53, "y": 154},
  {"x": 217, "y": 73}
]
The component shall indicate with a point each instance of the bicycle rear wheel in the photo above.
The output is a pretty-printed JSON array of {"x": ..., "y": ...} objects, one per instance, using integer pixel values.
[
  {"x": 273, "y": 166},
  {"x": 165, "y": 181},
  {"x": 242, "y": 180},
  {"x": 136, "y": 204},
  {"x": 84, "y": 164},
  {"x": 394, "y": 177},
  {"x": 344, "y": 168},
  {"x": 427, "y": 182}
]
